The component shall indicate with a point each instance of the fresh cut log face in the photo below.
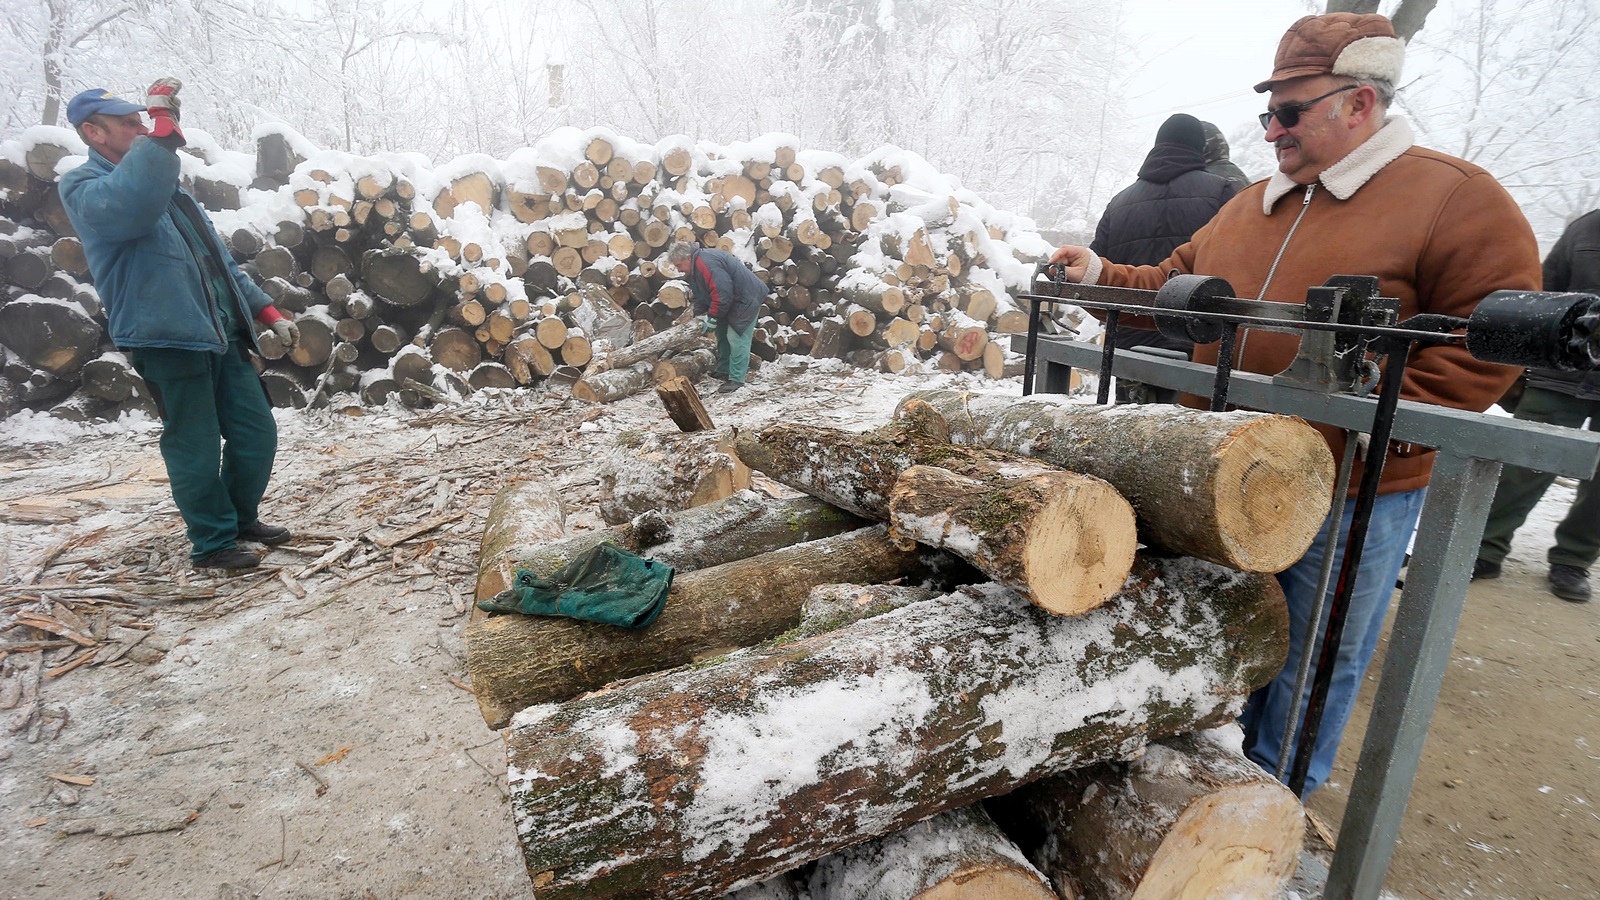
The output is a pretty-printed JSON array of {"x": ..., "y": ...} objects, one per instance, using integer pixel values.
[{"x": 695, "y": 781}]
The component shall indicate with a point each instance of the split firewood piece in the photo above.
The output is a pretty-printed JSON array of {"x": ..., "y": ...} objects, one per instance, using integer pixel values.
[
  {"x": 1064, "y": 541},
  {"x": 739, "y": 769},
  {"x": 519, "y": 661},
  {"x": 1191, "y": 818},
  {"x": 1242, "y": 489},
  {"x": 668, "y": 471},
  {"x": 683, "y": 405},
  {"x": 954, "y": 855}
]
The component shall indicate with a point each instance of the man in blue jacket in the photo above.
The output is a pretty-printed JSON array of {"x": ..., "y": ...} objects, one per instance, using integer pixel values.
[
  {"x": 729, "y": 296},
  {"x": 181, "y": 309}
]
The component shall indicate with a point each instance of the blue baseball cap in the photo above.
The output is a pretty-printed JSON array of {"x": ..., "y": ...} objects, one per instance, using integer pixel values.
[{"x": 98, "y": 100}]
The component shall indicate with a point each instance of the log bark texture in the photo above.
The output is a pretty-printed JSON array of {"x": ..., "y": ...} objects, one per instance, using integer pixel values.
[
  {"x": 955, "y": 855},
  {"x": 668, "y": 471},
  {"x": 519, "y": 661},
  {"x": 693, "y": 781},
  {"x": 1063, "y": 540},
  {"x": 1191, "y": 819},
  {"x": 1245, "y": 490}
]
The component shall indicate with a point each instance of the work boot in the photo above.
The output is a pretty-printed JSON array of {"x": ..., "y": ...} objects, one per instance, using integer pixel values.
[
  {"x": 1570, "y": 583},
  {"x": 231, "y": 558},
  {"x": 262, "y": 533},
  {"x": 1484, "y": 569},
  {"x": 728, "y": 387}
]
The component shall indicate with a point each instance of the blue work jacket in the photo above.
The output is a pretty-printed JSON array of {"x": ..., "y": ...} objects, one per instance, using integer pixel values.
[{"x": 151, "y": 285}]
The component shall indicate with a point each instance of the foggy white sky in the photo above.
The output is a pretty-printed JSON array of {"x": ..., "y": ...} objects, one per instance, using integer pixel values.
[{"x": 1203, "y": 58}]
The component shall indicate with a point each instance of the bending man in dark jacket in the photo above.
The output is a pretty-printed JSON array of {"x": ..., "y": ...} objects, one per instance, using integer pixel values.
[
  {"x": 1556, "y": 398},
  {"x": 179, "y": 306},
  {"x": 729, "y": 296},
  {"x": 1156, "y": 215}
]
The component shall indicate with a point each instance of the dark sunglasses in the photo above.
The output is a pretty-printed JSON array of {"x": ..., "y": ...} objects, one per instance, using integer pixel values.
[{"x": 1288, "y": 115}]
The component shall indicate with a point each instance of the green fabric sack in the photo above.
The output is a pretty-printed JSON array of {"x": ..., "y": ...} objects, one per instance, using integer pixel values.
[{"x": 604, "y": 584}]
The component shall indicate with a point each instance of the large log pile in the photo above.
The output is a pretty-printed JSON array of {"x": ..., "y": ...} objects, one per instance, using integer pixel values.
[
  {"x": 425, "y": 284},
  {"x": 775, "y": 716}
]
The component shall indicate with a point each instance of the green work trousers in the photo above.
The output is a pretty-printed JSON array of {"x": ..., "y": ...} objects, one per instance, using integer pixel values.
[
  {"x": 733, "y": 352},
  {"x": 218, "y": 439},
  {"x": 1578, "y": 535}
]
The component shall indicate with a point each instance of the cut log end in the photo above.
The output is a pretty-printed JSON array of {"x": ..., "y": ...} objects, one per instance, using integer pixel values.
[
  {"x": 1242, "y": 841},
  {"x": 1080, "y": 545},
  {"x": 1273, "y": 489}
]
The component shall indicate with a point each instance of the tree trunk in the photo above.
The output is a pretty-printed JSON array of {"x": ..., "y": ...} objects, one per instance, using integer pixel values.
[
  {"x": 55, "y": 337},
  {"x": 111, "y": 377},
  {"x": 503, "y": 656},
  {"x": 1062, "y": 541},
  {"x": 954, "y": 855},
  {"x": 1190, "y": 818},
  {"x": 694, "y": 780},
  {"x": 658, "y": 345},
  {"x": 1245, "y": 490},
  {"x": 455, "y": 349},
  {"x": 614, "y": 384},
  {"x": 315, "y": 344},
  {"x": 683, "y": 405},
  {"x": 398, "y": 277},
  {"x": 519, "y": 661},
  {"x": 668, "y": 471}
]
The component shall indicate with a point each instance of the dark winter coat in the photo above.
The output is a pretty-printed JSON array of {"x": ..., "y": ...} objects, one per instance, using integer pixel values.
[
  {"x": 1573, "y": 265},
  {"x": 1155, "y": 215},
  {"x": 153, "y": 290},
  {"x": 725, "y": 289}
]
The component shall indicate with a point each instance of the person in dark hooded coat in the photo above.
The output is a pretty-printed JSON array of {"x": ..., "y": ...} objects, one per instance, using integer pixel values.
[
  {"x": 1218, "y": 161},
  {"x": 1155, "y": 215}
]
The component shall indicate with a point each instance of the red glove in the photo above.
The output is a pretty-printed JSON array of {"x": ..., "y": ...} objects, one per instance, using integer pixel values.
[{"x": 162, "y": 104}]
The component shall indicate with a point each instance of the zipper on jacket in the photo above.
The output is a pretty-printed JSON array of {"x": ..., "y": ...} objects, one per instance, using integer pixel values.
[{"x": 1305, "y": 205}]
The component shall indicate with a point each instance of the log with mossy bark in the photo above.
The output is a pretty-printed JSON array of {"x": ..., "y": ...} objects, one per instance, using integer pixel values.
[
  {"x": 1243, "y": 489},
  {"x": 692, "y": 781},
  {"x": 1192, "y": 817},
  {"x": 519, "y": 661},
  {"x": 1062, "y": 540},
  {"x": 954, "y": 855}
]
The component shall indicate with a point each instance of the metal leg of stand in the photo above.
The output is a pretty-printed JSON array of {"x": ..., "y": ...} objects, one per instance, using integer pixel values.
[
  {"x": 1052, "y": 378},
  {"x": 1447, "y": 540}
]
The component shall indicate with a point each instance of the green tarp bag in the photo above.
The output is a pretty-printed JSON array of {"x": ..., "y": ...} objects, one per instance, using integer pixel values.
[{"x": 604, "y": 584}]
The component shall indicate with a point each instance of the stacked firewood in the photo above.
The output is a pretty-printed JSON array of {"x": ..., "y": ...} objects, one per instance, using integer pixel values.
[
  {"x": 429, "y": 283},
  {"x": 1040, "y": 655}
]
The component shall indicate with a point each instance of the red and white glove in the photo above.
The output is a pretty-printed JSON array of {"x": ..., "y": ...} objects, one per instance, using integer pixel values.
[{"x": 162, "y": 103}]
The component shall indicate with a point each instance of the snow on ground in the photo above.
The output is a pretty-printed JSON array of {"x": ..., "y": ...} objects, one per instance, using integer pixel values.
[{"x": 295, "y": 731}]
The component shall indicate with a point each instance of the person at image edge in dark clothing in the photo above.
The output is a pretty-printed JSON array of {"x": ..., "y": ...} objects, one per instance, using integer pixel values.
[
  {"x": 1568, "y": 399},
  {"x": 1156, "y": 215},
  {"x": 181, "y": 309},
  {"x": 729, "y": 295}
]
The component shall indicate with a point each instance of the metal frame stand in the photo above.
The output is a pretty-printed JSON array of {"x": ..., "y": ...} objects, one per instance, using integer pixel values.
[{"x": 1473, "y": 447}]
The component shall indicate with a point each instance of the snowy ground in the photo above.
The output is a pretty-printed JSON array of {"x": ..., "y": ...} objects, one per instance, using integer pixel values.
[{"x": 301, "y": 731}]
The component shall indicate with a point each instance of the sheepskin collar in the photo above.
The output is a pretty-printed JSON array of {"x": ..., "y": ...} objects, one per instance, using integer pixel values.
[{"x": 1345, "y": 177}]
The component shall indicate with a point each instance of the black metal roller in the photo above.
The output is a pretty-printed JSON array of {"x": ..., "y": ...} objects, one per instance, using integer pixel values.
[
  {"x": 1537, "y": 329},
  {"x": 1181, "y": 293}
]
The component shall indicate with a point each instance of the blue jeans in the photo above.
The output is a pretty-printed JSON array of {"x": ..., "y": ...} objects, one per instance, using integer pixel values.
[{"x": 1394, "y": 518}]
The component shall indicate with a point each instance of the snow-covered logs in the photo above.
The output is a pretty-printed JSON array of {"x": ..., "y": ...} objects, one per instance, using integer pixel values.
[
  {"x": 700, "y": 779},
  {"x": 504, "y": 656},
  {"x": 1245, "y": 490},
  {"x": 1192, "y": 817},
  {"x": 1062, "y": 540},
  {"x": 954, "y": 855},
  {"x": 523, "y": 660},
  {"x": 527, "y": 262}
]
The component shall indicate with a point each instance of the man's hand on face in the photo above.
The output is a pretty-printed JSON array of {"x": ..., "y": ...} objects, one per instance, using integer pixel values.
[{"x": 162, "y": 103}]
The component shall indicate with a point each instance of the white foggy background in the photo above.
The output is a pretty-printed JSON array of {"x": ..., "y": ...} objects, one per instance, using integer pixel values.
[{"x": 1046, "y": 107}]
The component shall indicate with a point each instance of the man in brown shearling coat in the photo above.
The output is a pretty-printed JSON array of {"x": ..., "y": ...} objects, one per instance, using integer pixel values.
[{"x": 1354, "y": 196}]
